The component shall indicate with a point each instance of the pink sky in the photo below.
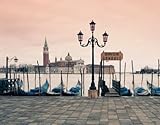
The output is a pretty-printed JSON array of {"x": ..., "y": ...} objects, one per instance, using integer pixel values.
[{"x": 133, "y": 27}]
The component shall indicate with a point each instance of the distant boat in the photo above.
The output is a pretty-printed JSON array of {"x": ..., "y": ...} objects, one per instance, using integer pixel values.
[
  {"x": 155, "y": 91},
  {"x": 43, "y": 90},
  {"x": 140, "y": 91}
]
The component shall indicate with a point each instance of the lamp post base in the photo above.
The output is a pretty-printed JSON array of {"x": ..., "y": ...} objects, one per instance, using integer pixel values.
[{"x": 93, "y": 94}]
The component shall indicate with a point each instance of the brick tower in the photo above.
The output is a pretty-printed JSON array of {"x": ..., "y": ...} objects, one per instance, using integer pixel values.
[{"x": 45, "y": 54}]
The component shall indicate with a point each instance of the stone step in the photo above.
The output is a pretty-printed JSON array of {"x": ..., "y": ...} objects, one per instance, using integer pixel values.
[{"x": 112, "y": 93}]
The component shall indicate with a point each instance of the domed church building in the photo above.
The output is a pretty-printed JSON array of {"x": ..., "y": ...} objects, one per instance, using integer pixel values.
[{"x": 66, "y": 66}]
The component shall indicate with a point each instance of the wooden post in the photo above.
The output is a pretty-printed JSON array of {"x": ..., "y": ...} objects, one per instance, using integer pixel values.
[
  {"x": 120, "y": 71},
  {"x": 99, "y": 78},
  {"x": 132, "y": 75},
  {"x": 61, "y": 84},
  {"x": 124, "y": 74},
  {"x": 27, "y": 79},
  {"x": 23, "y": 79},
  {"x": 142, "y": 79},
  {"x": 67, "y": 76},
  {"x": 158, "y": 72},
  {"x": 151, "y": 82},
  {"x": 14, "y": 74},
  {"x": 6, "y": 67},
  {"x": 39, "y": 78},
  {"x": 50, "y": 82},
  {"x": 110, "y": 77},
  {"x": 10, "y": 72},
  {"x": 35, "y": 78},
  {"x": 119, "y": 88},
  {"x": 83, "y": 81},
  {"x": 103, "y": 70}
]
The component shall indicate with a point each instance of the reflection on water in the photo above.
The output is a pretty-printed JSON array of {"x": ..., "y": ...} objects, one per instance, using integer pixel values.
[{"x": 73, "y": 78}]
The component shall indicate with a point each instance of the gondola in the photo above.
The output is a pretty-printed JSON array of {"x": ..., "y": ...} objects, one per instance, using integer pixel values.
[
  {"x": 125, "y": 91},
  {"x": 155, "y": 91},
  {"x": 76, "y": 90},
  {"x": 140, "y": 91},
  {"x": 40, "y": 91},
  {"x": 59, "y": 90}
]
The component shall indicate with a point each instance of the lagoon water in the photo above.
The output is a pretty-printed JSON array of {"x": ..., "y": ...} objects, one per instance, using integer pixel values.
[{"x": 73, "y": 78}]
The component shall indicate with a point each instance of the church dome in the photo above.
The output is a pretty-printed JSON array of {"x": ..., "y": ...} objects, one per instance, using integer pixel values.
[
  {"x": 68, "y": 57},
  {"x": 81, "y": 61}
]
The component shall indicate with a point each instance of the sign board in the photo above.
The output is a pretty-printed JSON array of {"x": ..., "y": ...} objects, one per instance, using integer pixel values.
[{"x": 112, "y": 55}]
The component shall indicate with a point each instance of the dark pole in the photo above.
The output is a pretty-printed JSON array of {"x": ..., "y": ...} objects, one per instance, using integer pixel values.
[
  {"x": 7, "y": 67},
  {"x": 133, "y": 75},
  {"x": 35, "y": 77},
  {"x": 67, "y": 76},
  {"x": 103, "y": 68},
  {"x": 81, "y": 79},
  {"x": 99, "y": 78},
  {"x": 50, "y": 77},
  {"x": 158, "y": 72},
  {"x": 110, "y": 77},
  {"x": 27, "y": 79},
  {"x": 100, "y": 69},
  {"x": 124, "y": 74},
  {"x": 39, "y": 78},
  {"x": 23, "y": 79},
  {"x": 151, "y": 83},
  {"x": 15, "y": 72},
  {"x": 92, "y": 41},
  {"x": 120, "y": 71},
  {"x": 92, "y": 87},
  {"x": 14, "y": 75},
  {"x": 10, "y": 71},
  {"x": 61, "y": 90}
]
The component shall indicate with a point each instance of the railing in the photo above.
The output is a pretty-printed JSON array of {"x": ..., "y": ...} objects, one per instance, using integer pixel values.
[
  {"x": 116, "y": 85},
  {"x": 7, "y": 86}
]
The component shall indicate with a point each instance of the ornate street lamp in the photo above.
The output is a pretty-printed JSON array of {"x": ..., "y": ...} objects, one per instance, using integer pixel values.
[
  {"x": 93, "y": 41},
  {"x": 9, "y": 60}
]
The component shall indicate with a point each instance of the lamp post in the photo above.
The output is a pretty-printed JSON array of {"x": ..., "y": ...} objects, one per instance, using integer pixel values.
[
  {"x": 9, "y": 60},
  {"x": 93, "y": 41}
]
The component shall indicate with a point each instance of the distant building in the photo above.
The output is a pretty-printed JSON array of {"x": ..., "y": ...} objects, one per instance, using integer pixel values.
[
  {"x": 148, "y": 70},
  {"x": 66, "y": 66},
  {"x": 108, "y": 69},
  {"x": 45, "y": 54},
  {"x": 79, "y": 66}
]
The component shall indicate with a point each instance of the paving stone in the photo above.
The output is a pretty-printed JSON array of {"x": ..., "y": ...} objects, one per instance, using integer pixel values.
[
  {"x": 126, "y": 122},
  {"x": 79, "y": 110},
  {"x": 114, "y": 122},
  {"x": 92, "y": 122}
]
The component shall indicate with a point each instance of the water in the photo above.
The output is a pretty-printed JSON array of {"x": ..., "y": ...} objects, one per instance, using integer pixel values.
[{"x": 73, "y": 78}]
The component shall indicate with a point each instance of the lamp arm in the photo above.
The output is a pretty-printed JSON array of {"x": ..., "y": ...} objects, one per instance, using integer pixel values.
[
  {"x": 89, "y": 41},
  {"x": 96, "y": 42},
  {"x": 9, "y": 60}
]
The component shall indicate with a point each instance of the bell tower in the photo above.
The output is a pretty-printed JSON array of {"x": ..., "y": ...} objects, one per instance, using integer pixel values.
[{"x": 45, "y": 53}]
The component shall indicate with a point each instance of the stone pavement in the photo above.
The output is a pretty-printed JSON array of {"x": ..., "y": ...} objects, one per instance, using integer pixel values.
[{"x": 50, "y": 110}]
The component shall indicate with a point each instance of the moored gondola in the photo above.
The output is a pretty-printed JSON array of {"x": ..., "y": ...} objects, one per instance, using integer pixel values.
[{"x": 155, "y": 91}]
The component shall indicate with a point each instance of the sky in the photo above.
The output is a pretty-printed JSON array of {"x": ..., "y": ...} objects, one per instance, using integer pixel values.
[{"x": 133, "y": 27}]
